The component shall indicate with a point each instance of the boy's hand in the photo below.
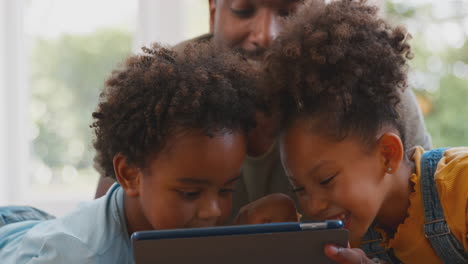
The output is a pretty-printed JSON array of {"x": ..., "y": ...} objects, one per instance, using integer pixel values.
[
  {"x": 348, "y": 255},
  {"x": 272, "y": 208}
]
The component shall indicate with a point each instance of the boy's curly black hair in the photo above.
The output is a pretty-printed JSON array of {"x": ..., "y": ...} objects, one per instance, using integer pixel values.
[
  {"x": 342, "y": 65},
  {"x": 161, "y": 93}
]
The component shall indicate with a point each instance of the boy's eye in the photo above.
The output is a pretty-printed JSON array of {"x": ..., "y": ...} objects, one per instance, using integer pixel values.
[
  {"x": 189, "y": 195},
  {"x": 226, "y": 191}
]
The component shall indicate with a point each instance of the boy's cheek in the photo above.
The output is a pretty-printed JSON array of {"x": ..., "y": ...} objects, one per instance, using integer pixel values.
[{"x": 172, "y": 213}]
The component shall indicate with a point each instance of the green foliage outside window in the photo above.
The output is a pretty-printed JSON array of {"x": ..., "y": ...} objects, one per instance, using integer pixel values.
[
  {"x": 67, "y": 74},
  {"x": 440, "y": 66}
]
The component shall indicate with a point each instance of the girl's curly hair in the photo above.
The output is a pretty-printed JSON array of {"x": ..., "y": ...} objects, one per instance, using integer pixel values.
[
  {"x": 161, "y": 93},
  {"x": 341, "y": 64}
]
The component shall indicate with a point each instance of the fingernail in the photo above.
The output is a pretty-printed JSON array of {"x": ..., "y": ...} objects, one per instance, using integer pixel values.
[{"x": 333, "y": 249}]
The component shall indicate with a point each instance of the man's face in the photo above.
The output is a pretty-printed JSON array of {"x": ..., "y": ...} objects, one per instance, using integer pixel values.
[{"x": 248, "y": 26}]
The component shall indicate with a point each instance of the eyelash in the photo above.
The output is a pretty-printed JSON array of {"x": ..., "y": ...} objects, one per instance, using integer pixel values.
[
  {"x": 189, "y": 195},
  {"x": 328, "y": 180},
  {"x": 324, "y": 183},
  {"x": 227, "y": 190},
  {"x": 194, "y": 195},
  {"x": 244, "y": 13},
  {"x": 298, "y": 189}
]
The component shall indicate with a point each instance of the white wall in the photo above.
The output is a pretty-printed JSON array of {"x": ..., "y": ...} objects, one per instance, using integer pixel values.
[
  {"x": 161, "y": 21},
  {"x": 13, "y": 103},
  {"x": 3, "y": 194},
  {"x": 170, "y": 22}
]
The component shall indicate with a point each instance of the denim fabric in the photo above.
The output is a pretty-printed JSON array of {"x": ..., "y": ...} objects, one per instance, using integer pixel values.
[
  {"x": 436, "y": 229},
  {"x": 447, "y": 247},
  {"x": 371, "y": 244},
  {"x": 14, "y": 214},
  {"x": 96, "y": 232}
]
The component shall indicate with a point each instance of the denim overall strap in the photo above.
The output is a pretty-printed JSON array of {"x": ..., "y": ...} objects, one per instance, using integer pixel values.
[
  {"x": 436, "y": 229},
  {"x": 371, "y": 244}
]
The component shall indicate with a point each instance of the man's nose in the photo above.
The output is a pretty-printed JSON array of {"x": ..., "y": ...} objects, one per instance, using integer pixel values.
[{"x": 264, "y": 29}]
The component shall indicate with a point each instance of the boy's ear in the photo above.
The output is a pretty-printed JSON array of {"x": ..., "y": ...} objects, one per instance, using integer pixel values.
[
  {"x": 128, "y": 175},
  {"x": 212, "y": 6},
  {"x": 392, "y": 151}
]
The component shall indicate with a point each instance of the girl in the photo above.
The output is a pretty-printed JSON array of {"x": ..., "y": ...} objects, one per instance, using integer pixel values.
[
  {"x": 171, "y": 129},
  {"x": 338, "y": 72}
]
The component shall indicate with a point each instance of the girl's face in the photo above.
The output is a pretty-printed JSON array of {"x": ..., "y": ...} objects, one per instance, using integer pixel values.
[
  {"x": 334, "y": 180},
  {"x": 189, "y": 184}
]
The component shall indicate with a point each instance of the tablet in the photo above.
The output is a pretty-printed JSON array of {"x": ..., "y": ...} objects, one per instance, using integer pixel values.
[{"x": 297, "y": 243}]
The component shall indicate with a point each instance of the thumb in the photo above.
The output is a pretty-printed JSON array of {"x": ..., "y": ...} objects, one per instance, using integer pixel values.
[{"x": 345, "y": 255}]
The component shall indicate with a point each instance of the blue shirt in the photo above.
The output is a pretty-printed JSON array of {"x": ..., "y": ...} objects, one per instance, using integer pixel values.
[{"x": 94, "y": 233}]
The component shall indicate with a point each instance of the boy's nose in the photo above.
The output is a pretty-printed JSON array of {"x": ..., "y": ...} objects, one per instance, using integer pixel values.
[
  {"x": 264, "y": 29},
  {"x": 209, "y": 210}
]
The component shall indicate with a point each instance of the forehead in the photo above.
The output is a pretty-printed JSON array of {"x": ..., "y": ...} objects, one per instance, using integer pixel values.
[
  {"x": 302, "y": 146},
  {"x": 194, "y": 153},
  {"x": 300, "y": 139},
  {"x": 185, "y": 142}
]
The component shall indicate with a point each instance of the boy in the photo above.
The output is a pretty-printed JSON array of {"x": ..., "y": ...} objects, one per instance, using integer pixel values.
[{"x": 171, "y": 130}]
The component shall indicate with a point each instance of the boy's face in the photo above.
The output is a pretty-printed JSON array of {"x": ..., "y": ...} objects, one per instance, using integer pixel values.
[
  {"x": 248, "y": 25},
  {"x": 334, "y": 180},
  {"x": 190, "y": 183}
]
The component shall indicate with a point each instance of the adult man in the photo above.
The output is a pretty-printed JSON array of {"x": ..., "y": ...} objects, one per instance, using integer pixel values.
[{"x": 250, "y": 26}]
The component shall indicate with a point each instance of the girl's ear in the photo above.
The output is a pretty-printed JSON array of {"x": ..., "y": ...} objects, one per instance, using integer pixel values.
[
  {"x": 392, "y": 152},
  {"x": 128, "y": 175}
]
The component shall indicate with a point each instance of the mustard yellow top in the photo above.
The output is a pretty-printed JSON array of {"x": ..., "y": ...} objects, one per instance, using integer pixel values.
[{"x": 409, "y": 243}]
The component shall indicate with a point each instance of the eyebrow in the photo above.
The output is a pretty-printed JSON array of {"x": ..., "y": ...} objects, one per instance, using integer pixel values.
[
  {"x": 205, "y": 182},
  {"x": 194, "y": 181}
]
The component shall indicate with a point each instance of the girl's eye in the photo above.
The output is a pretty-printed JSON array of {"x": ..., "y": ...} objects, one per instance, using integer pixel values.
[
  {"x": 189, "y": 195},
  {"x": 243, "y": 13},
  {"x": 328, "y": 180}
]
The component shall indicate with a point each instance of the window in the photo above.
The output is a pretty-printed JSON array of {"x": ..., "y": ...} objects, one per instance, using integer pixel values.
[
  {"x": 439, "y": 71},
  {"x": 55, "y": 56},
  {"x": 71, "y": 48}
]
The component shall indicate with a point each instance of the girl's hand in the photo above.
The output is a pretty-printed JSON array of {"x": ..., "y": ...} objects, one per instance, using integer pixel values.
[
  {"x": 348, "y": 255},
  {"x": 272, "y": 208}
]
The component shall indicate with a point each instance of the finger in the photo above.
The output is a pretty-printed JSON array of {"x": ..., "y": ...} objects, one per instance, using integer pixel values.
[
  {"x": 241, "y": 218},
  {"x": 236, "y": 220},
  {"x": 346, "y": 255}
]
